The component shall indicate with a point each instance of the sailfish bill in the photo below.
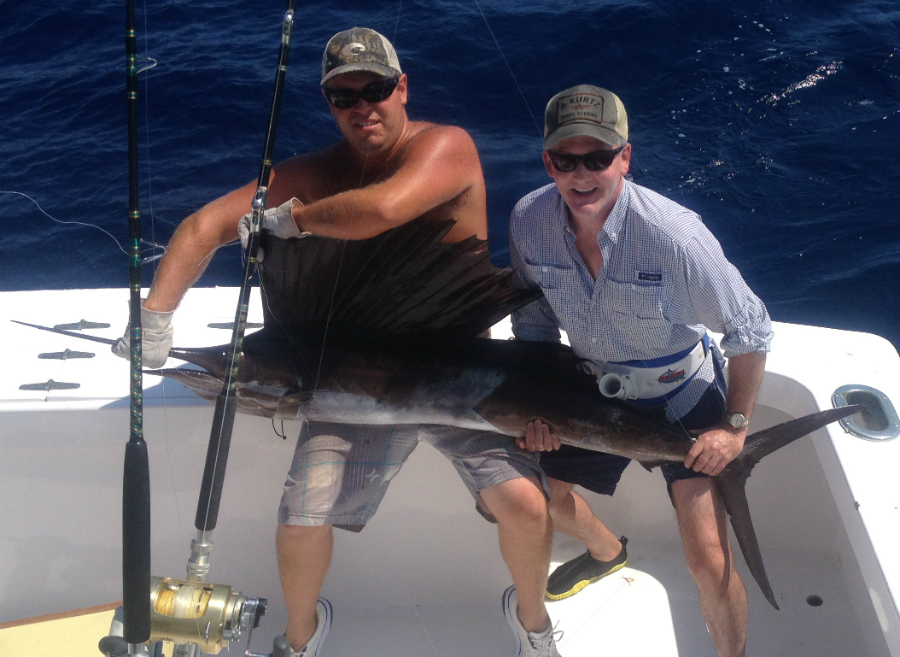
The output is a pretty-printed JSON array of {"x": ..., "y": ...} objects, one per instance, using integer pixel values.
[{"x": 385, "y": 331}]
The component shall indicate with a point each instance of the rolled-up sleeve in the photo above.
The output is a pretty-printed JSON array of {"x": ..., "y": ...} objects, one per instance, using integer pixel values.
[{"x": 721, "y": 299}]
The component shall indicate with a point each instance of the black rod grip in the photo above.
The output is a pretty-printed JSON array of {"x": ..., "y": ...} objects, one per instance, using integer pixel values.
[
  {"x": 136, "y": 543},
  {"x": 216, "y": 460}
]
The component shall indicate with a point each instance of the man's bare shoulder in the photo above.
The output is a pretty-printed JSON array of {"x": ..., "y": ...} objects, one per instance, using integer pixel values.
[
  {"x": 425, "y": 131},
  {"x": 448, "y": 147}
]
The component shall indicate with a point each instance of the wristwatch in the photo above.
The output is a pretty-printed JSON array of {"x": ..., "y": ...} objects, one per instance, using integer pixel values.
[{"x": 737, "y": 420}]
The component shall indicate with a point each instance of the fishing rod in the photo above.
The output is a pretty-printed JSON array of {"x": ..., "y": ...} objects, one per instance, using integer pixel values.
[
  {"x": 195, "y": 617},
  {"x": 136, "y": 478},
  {"x": 237, "y": 612},
  {"x": 131, "y": 628},
  {"x": 226, "y": 403}
]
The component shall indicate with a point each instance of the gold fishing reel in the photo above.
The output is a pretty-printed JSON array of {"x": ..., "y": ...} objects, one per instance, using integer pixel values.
[{"x": 207, "y": 615}]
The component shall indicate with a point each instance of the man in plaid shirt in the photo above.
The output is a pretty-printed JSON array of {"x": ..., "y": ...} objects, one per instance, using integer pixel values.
[{"x": 636, "y": 280}]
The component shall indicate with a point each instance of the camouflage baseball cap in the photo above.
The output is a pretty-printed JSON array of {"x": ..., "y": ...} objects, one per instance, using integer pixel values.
[
  {"x": 359, "y": 49},
  {"x": 585, "y": 110}
]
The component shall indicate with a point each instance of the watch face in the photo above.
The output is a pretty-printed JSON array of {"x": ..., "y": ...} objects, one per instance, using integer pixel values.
[{"x": 738, "y": 420}]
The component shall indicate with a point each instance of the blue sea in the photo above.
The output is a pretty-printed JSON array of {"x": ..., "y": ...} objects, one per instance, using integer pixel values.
[{"x": 777, "y": 121}]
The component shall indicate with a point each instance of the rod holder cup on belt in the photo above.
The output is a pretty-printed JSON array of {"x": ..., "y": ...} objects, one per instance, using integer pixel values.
[{"x": 616, "y": 386}]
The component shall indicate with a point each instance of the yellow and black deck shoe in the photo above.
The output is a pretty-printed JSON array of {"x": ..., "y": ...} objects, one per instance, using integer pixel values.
[{"x": 575, "y": 574}]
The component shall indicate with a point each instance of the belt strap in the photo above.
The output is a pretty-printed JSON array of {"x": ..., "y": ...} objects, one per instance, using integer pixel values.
[{"x": 650, "y": 382}]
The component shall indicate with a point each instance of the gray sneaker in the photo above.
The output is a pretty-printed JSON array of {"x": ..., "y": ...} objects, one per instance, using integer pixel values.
[
  {"x": 528, "y": 644},
  {"x": 313, "y": 647}
]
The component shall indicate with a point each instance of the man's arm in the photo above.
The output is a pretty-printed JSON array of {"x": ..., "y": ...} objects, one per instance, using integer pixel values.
[
  {"x": 722, "y": 301},
  {"x": 719, "y": 297},
  {"x": 439, "y": 165},
  {"x": 193, "y": 244},
  {"x": 719, "y": 445}
]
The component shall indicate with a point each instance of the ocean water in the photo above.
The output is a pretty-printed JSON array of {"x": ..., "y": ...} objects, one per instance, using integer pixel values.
[{"x": 777, "y": 121}]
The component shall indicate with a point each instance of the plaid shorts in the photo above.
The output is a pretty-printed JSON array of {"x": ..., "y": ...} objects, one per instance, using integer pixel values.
[{"x": 341, "y": 472}]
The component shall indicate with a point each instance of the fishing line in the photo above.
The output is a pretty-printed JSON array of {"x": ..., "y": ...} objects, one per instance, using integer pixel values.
[
  {"x": 509, "y": 68},
  {"x": 60, "y": 221},
  {"x": 153, "y": 259},
  {"x": 147, "y": 58},
  {"x": 666, "y": 542},
  {"x": 540, "y": 132},
  {"x": 285, "y": 333},
  {"x": 337, "y": 276},
  {"x": 424, "y": 627},
  {"x": 149, "y": 243},
  {"x": 149, "y": 176}
]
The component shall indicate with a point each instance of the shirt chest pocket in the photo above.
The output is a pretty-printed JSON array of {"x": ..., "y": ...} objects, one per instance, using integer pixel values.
[
  {"x": 552, "y": 277},
  {"x": 630, "y": 302}
]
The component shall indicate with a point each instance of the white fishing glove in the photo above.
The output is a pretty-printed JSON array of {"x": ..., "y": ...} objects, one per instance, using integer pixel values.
[
  {"x": 277, "y": 221},
  {"x": 156, "y": 339}
]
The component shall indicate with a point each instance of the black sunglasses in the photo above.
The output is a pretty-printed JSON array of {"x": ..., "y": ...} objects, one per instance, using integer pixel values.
[
  {"x": 594, "y": 161},
  {"x": 374, "y": 92}
]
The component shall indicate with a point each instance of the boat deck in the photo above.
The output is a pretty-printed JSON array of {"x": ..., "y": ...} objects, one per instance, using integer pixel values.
[
  {"x": 425, "y": 578},
  {"x": 440, "y": 594}
]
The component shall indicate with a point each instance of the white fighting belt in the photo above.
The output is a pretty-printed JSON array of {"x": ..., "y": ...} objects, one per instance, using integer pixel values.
[{"x": 652, "y": 381}]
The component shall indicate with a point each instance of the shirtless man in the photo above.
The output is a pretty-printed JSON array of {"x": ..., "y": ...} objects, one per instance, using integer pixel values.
[{"x": 386, "y": 171}]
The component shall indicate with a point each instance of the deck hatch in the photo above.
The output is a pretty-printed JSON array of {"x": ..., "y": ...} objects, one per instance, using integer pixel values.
[{"x": 878, "y": 423}]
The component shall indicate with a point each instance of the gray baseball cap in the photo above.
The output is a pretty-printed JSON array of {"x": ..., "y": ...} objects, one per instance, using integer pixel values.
[
  {"x": 359, "y": 49},
  {"x": 585, "y": 110}
]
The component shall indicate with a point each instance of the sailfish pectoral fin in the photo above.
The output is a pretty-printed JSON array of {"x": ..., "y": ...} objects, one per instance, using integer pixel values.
[{"x": 731, "y": 485}]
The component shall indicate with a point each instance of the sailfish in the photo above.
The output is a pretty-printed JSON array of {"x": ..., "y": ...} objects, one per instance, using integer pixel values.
[{"x": 387, "y": 330}]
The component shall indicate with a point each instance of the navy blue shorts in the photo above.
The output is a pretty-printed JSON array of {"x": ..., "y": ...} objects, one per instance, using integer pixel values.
[{"x": 600, "y": 472}]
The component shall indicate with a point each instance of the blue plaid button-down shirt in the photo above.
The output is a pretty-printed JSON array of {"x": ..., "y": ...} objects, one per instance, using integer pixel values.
[{"x": 663, "y": 282}]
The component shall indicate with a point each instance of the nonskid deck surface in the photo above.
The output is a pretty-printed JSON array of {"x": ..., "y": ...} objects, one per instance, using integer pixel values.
[
  {"x": 647, "y": 611},
  {"x": 415, "y": 602}
]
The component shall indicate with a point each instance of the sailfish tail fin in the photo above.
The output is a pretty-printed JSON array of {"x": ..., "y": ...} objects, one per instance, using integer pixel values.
[
  {"x": 734, "y": 497},
  {"x": 762, "y": 443},
  {"x": 733, "y": 480}
]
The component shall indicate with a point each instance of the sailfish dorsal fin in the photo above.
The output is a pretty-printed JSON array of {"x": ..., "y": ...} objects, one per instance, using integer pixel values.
[{"x": 405, "y": 281}]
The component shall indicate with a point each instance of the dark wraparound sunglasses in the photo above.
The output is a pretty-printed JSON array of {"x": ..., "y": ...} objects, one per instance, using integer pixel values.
[
  {"x": 594, "y": 161},
  {"x": 374, "y": 92}
]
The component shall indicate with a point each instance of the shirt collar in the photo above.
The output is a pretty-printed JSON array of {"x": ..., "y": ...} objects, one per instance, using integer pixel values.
[{"x": 614, "y": 222}]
